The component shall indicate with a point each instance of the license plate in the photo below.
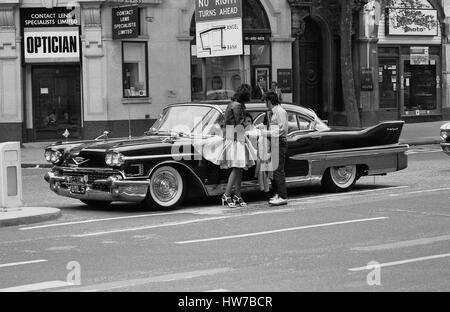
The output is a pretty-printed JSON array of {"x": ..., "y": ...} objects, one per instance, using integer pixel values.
[{"x": 78, "y": 189}]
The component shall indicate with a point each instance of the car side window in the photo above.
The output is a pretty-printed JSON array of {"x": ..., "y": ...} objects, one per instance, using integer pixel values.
[
  {"x": 293, "y": 124},
  {"x": 298, "y": 123}
]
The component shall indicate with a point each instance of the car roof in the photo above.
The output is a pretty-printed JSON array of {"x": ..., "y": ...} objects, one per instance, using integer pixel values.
[{"x": 251, "y": 106}]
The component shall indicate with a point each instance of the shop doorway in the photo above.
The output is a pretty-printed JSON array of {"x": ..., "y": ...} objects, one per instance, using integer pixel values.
[
  {"x": 388, "y": 73},
  {"x": 311, "y": 67},
  {"x": 56, "y": 96},
  {"x": 421, "y": 88}
]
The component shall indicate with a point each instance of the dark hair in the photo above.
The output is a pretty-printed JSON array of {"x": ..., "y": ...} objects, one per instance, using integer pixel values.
[
  {"x": 250, "y": 116},
  {"x": 242, "y": 94},
  {"x": 272, "y": 97},
  {"x": 275, "y": 83}
]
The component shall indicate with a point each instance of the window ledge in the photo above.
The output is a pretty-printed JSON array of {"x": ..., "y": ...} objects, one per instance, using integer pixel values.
[{"x": 137, "y": 100}]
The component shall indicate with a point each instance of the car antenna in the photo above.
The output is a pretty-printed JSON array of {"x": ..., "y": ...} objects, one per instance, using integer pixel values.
[{"x": 129, "y": 122}]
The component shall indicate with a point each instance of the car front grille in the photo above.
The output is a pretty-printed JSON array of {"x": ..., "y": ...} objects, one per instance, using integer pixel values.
[{"x": 92, "y": 174}]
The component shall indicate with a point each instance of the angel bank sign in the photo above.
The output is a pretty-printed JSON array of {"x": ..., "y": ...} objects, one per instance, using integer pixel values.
[{"x": 218, "y": 27}]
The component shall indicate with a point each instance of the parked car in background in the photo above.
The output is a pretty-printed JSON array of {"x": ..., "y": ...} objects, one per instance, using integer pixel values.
[
  {"x": 445, "y": 136},
  {"x": 162, "y": 167}
]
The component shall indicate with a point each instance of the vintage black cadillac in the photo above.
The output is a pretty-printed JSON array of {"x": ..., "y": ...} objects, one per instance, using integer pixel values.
[{"x": 162, "y": 167}]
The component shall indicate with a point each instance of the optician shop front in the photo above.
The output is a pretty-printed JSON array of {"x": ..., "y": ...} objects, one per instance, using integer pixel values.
[{"x": 51, "y": 52}]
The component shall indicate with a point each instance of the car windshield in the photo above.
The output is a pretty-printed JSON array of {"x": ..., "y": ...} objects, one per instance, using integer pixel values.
[{"x": 185, "y": 119}]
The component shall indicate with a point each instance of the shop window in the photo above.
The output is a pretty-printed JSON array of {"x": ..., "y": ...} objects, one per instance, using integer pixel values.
[
  {"x": 420, "y": 87},
  {"x": 135, "y": 74}
]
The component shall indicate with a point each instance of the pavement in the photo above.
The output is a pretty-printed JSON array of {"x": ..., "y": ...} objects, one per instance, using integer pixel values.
[{"x": 32, "y": 155}]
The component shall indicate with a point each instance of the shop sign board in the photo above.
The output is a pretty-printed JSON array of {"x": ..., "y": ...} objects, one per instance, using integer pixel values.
[
  {"x": 43, "y": 45},
  {"x": 218, "y": 27},
  {"x": 125, "y": 22},
  {"x": 419, "y": 56},
  {"x": 55, "y": 17},
  {"x": 367, "y": 79},
  {"x": 411, "y": 22},
  {"x": 284, "y": 79}
]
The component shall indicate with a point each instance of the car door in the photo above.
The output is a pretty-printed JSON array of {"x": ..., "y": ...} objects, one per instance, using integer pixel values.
[{"x": 302, "y": 138}]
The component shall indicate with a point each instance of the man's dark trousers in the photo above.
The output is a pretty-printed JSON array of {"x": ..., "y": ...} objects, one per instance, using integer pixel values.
[{"x": 279, "y": 176}]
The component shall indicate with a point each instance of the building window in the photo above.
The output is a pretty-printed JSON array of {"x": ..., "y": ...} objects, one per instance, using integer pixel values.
[
  {"x": 135, "y": 70},
  {"x": 217, "y": 78}
]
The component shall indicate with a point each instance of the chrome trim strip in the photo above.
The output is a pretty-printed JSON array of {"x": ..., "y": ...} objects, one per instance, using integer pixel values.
[
  {"x": 130, "y": 158},
  {"x": 373, "y": 150}
]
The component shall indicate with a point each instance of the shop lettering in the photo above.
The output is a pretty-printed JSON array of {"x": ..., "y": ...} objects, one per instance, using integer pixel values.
[
  {"x": 218, "y": 7},
  {"x": 52, "y": 44}
]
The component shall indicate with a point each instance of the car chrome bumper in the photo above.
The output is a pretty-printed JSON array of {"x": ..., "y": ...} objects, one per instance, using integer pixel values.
[
  {"x": 111, "y": 189},
  {"x": 446, "y": 148}
]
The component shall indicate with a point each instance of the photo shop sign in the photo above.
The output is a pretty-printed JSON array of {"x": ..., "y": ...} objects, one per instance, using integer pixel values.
[{"x": 218, "y": 28}]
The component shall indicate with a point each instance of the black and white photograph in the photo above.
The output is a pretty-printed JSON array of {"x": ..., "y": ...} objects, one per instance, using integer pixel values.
[{"x": 224, "y": 151}]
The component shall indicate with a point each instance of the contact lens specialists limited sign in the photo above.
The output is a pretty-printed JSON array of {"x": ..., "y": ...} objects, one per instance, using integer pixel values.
[
  {"x": 218, "y": 27},
  {"x": 125, "y": 22},
  {"x": 51, "y": 35}
]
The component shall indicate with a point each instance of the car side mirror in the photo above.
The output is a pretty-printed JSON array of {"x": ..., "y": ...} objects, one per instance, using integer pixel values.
[{"x": 325, "y": 122}]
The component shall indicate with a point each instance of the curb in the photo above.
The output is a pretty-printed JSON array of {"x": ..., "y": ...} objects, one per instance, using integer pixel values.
[
  {"x": 35, "y": 166},
  {"x": 52, "y": 214}
]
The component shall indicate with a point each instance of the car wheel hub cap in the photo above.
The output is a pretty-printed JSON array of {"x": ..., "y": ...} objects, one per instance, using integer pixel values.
[
  {"x": 165, "y": 186},
  {"x": 342, "y": 175}
]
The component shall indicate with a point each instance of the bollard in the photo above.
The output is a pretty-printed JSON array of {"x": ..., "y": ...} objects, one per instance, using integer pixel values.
[{"x": 10, "y": 175}]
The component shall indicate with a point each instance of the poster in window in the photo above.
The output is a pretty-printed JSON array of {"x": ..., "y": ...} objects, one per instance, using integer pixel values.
[
  {"x": 367, "y": 79},
  {"x": 284, "y": 79}
]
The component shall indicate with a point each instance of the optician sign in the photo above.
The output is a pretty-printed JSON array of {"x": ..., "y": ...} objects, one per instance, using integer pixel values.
[
  {"x": 51, "y": 35},
  {"x": 218, "y": 27},
  {"x": 57, "y": 45}
]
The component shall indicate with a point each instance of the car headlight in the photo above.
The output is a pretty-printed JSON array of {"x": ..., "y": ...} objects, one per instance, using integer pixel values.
[
  {"x": 114, "y": 159},
  {"x": 53, "y": 156},
  {"x": 48, "y": 155},
  {"x": 444, "y": 135}
]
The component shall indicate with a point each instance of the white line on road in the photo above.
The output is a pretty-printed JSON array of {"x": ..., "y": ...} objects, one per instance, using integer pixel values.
[
  {"x": 154, "y": 279},
  {"x": 21, "y": 263},
  {"x": 388, "y": 264},
  {"x": 37, "y": 286},
  {"x": 404, "y": 244},
  {"x": 100, "y": 220},
  {"x": 420, "y": 192},
  {"x": 280, "y": 230},
  {"x": 148, "y": 227},
  {"x": 348, "y": 194}
]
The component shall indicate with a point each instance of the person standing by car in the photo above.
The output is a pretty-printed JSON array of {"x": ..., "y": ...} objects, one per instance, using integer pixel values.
[
  {"x": 238, "y": 153},
  {"x": 278, "y": 131},
  {"x": 259, "y": 90},
  {"x": 274, "y": 88}
]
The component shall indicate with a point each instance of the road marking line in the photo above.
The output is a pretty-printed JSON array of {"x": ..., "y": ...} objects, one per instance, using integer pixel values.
[
  {"x": 148, "y": 280},
  {"x": 37, "y": 286},
  {"x": 420, "y": 192},
  {"x": 148, "y": 227},
  {"x": 348, "y": 193},
  {"x": 280, "y": 230},
  {"x": 21, "y": 263},
  {"x": 403, "y": 244},
  {"x": 388, "y": 264},
  {"x": 97, "y": 220}
]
